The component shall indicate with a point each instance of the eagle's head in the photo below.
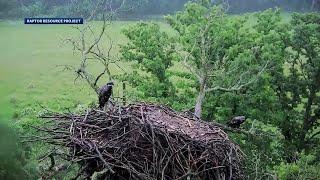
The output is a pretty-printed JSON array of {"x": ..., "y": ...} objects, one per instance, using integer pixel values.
[{"x": 110, "y": 83}]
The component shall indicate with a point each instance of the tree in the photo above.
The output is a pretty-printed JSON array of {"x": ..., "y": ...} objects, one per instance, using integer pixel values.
[
  {"x": 88, "y": 52},
  {"x": 299, "y": 95},
  {"x": 211, "y": 46},
  {"x": 315, "y": 5},
  {"x": 284, "y": 101},
  {"x": 91, "y": 51},
  {"x": 153, "y": 52},
  {"x": 259, "y": 101}
]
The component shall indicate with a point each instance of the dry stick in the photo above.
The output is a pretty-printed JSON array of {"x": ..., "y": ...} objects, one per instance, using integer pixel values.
[
  {"x": 53, "y": 162},
  {"x": 86, "y": 116},
  {"x": 230, "y": 167},
  {"x": 172, "y": 155},
  {"x": 236, "y": 130},
  {"x": 124, "y": 99},
  {"x": 103, "y": 160},
  {"x": 153, "y": 148}
]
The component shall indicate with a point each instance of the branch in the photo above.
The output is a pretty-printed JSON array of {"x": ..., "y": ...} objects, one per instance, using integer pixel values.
[
  {"x": 99, "y": 76},
  {"x": 98, "y": 175},
  {"x": 91, "y": 50},
  {"x": 314, "y": 135},
  {"x": 188, "y": 66},
  {"x": 239, "y": 86},
  {"x": 53, "y": 163},
  {"x": 93, "y": 13},
  {"x": 103, "y": 160},
  {"x": 99, "y": 37},
  {"x": 241, "y": 131}
]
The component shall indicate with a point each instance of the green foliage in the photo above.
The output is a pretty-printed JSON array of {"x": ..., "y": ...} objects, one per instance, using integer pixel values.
[
  {"x": 273, "y": 104},
  {"x": 6, "y": 8},
  {"x": 82, "y": 8},
  {"x": 286, "y": 98},
  {"x": 191, "y": 22},
  {"x": 300, "y": 92},
  {"x": 304, "y": 168},
  {"x": 13, "y": 156},
  {"x": 33, "y": 10},
  {"x": 137, "y": 8},
  {"x": 152, "y": 52},
  {"x": 150, "y": 48},
  {"x": 227, "y": 53}
]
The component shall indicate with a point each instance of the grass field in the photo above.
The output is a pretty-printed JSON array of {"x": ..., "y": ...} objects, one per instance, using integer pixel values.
[{"x": 29, "y": 76}]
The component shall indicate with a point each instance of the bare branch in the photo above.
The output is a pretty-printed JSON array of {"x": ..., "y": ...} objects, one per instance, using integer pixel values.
[
  {"x": 93, "y": 51},
  {"x": 239, "y": 85},
  {"x": 99, "y": 37},
  {"x": 314, "y": 135},
  {"x": 99, "y": 76},
  {"x": 192, "y": 69}
]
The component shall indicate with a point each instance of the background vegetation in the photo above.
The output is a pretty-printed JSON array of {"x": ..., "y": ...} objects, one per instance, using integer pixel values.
[
  {"x": 275, "y": 56},
  {"x": 142, "y": 8}
]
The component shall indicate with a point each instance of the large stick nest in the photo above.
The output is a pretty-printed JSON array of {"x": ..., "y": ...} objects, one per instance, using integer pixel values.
[{"x": 145, "y": 141}]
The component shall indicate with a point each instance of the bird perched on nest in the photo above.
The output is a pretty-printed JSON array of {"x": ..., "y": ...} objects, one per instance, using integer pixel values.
[
  {"x": 236, "y": 121},
  {"x": 104, "y": 94}
]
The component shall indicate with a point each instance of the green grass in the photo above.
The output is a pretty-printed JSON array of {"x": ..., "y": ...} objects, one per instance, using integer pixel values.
[
  {"x": 28, "y": 72},
  {"x": 29, "y": 76}
]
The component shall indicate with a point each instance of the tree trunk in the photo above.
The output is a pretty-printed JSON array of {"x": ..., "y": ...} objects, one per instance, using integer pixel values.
[
  {"x": 306, "y": 119},
  {"x": 307, "y": 122},
  {"x": 200, "y": 98},
  {"x": 315, "y": 5}
]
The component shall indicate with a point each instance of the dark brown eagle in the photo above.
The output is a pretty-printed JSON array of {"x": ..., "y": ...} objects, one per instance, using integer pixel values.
[
  {"x": 104, "y": 94},
  {"x": 237, "y": 121}
]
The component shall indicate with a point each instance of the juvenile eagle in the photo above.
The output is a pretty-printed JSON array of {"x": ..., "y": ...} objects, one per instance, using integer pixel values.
[
  {"x": 104, "y": 94},
  {"x": 237, "y": 121}
]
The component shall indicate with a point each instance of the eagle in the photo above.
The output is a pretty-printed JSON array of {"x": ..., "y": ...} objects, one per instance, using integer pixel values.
[
  {"x": 237, "y": 121},
  {"x": 104, "y": 94}
]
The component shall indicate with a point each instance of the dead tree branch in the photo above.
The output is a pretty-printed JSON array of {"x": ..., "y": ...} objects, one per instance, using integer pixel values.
[{"x": 90, "y": 52}]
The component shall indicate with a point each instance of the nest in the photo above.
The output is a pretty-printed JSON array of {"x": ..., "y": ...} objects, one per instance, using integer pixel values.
[{"x": 144, "y": 141}]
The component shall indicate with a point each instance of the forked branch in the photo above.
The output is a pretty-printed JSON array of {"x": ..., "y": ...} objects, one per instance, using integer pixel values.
[{"x": 91, "y": 53}]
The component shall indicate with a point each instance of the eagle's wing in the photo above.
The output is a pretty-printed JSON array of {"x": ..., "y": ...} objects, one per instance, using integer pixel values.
[
  {"x": 104, "y": 95},
  {"x": 102, "y": 99}
]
